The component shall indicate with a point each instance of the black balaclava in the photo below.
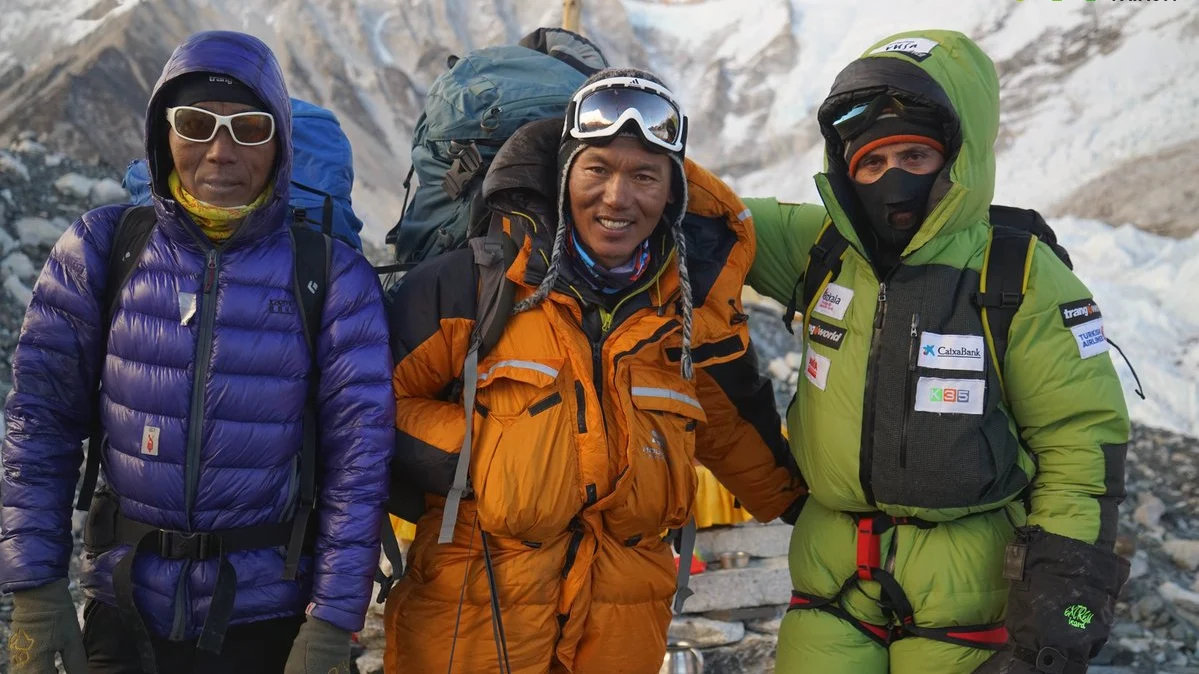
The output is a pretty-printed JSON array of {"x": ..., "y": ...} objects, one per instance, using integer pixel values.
[
  {"x": 194, "y": 88},
  {"x": 897, "y": 190}
]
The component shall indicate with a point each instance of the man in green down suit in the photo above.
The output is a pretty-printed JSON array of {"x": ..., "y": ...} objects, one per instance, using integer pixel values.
[{"x": 964, "y": 447}]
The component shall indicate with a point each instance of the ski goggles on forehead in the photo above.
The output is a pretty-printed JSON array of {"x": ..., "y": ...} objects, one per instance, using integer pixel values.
[
  {"x": 859, "y": 117},
  {"x": 200, "y": 126},
  {"x": 603, "y": 108}
]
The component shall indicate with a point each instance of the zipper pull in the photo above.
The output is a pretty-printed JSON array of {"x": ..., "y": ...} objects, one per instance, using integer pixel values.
[
  {"x": 210, "y": 272},
  {"x": 913, "y": 350},
  {"x": 882, "y": 306}
]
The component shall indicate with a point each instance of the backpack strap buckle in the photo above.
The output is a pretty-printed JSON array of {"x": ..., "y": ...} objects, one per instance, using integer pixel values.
[{"x": 467, "y": 162}]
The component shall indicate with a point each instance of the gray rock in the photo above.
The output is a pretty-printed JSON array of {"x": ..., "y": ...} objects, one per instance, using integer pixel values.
[
  {"x": 752, "y": 655},
  {"x": 1149, "y": 511},
  {"x": 759, "y": 540},
  {"x": 38, "y": 231},
  {"x": 1185, "y": 553},
  {"x": 370, "y": 662},
  {"x": 1184, "y": 599},
  {"x": 768, "y": 626},
  {"x": 10, "y": 164},
  {"x": 705, "y": 633},
  {"x": 74, "y": 185},
  {"x": 768, "y": 583},
  {"x": 1138, "y": 565},
  {"x": 107, "y": 191},
  {"x": 7, "y": 243},
  {"x": 18, "y": 265},
  {"x": 20, "y": 293}
]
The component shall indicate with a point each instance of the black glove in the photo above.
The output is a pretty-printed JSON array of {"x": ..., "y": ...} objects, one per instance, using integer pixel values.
[
  {"x": 44, "y": 623},
  {"x": 1062, "y": 603}
]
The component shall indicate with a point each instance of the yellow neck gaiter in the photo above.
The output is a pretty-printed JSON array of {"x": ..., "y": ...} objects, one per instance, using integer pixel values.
[{"x": 217, "y": 222}]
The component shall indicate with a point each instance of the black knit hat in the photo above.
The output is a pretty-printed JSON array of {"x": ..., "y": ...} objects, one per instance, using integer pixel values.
[
  {"x": 890, "y": 129},
  {"x": 194, "y": 88}
]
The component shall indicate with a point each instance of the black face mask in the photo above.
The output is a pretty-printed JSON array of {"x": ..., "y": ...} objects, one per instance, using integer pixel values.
[{"x": 895, "y": 206}]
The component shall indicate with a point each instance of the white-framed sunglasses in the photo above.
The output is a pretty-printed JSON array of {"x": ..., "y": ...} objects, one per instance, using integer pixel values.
[{"x": 200, "y": 126}]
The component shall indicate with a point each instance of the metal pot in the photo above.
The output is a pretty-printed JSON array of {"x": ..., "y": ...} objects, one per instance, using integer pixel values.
[{"x": 682, "y": 658}]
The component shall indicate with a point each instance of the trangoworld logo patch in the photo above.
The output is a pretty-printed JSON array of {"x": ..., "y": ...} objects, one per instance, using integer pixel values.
[
  {"x": 1079, "y": 616},
  {"x": 20, "y": 648},
  {"x": 825, "y": 333},
  {"x": 1077, "y": 313}
]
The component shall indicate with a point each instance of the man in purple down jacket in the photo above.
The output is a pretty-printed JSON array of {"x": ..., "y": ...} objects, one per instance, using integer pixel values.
[{"x": 205, "y": 376}]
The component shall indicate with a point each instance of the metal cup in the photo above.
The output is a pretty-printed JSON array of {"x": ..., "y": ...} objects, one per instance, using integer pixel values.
[{"x": 682, "y": 658}]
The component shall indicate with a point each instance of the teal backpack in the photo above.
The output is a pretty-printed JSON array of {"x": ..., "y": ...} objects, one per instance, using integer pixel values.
[{"x": 469, "y": 111}]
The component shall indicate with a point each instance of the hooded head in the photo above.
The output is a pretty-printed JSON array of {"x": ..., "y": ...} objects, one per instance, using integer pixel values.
[
  {"x": 931, "y": 88},
  {"x": 620, "y": 179},
  {"x": 225, "y": 72}
]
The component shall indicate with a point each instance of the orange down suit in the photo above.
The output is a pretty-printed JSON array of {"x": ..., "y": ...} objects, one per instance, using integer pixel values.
[{"x": 583, "y": 452}]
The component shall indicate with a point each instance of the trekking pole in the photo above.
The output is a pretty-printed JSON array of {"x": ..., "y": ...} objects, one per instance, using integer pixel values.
[
  {"x": 571, "y": 9},
  {"x": 497, "y": 621}
]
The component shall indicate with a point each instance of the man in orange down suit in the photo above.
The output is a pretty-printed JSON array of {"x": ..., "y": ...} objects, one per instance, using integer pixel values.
[{"x": 627, "y": 357}]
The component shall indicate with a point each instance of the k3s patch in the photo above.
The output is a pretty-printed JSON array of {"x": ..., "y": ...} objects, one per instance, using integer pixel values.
[{"x": 1085, "y": 322}]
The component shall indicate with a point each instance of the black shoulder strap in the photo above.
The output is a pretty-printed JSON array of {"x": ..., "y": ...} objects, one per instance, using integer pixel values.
[
  {"x": 1002, "y": 285},
  {"x": 326, "y": 222},
  {"x": 313, "y": 259},
  {"x": 493, "y": 255},
  {"x": 129, "y": 240},
  {"x": 824, "y": 265}
]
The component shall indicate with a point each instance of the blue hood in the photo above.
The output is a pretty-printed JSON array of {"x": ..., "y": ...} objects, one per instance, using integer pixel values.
[{"x": 251, "y": 62}]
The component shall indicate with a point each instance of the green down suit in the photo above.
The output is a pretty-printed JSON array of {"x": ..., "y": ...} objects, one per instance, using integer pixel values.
[{"x": 901, "y": 411}]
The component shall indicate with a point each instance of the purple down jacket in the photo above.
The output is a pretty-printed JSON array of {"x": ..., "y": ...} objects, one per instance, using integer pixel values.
[{"x": 225, "y": 389}]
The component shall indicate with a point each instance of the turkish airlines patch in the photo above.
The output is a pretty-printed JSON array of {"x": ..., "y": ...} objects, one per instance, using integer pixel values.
[
  {"x": 834, "y": 301},
  {"x": 825, "y": 333},
  {"x": 950, "y": 396},
  {"x": 1077, "y": 313},
  {"x": 816, "y": 368},
  {"x": 918, "y": 48},
  {"x": 952, "y": 352},
  {"x": 1090, "y": 338}
]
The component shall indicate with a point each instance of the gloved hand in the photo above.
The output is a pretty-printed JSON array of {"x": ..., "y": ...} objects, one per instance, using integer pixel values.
[
  {"x": 319, "y": 648},
  {"x": 44, "y": 623},
  {"x": 1060, "y": 610}
]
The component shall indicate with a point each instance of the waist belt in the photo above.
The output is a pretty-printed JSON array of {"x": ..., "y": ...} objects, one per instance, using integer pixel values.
[
  {"x": 871, "y": 527},
  {"x": 196, "y": 546}
]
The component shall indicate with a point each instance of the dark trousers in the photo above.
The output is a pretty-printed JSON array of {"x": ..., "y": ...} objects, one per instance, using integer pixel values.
[{"x": 252, "y": 648}]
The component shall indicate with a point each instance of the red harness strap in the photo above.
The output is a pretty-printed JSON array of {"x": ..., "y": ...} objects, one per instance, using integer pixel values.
[{"x": 871, "y": 527}]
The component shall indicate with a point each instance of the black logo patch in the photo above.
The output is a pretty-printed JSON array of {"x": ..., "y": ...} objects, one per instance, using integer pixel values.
[
  {"x": 1077, "y": 313},
  {"x": 823, "y": 333},
  {"x": 282, "y": 307}
]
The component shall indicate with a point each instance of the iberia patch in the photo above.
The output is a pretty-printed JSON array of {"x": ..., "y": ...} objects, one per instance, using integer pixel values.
[{"x": 834, "y": 301}]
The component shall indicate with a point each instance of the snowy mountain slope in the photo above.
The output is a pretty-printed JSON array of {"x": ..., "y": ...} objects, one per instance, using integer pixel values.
[{"x": 1086, "y": 87}]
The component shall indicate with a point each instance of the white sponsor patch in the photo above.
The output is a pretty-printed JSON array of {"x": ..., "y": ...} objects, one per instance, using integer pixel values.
[
  {"x": 816, "y": 368},
  {"x": 1090, "y": 338},
  {"x": 187, "y": 307},
  {"x": 918, "y": 47},
  {"x": 950, "y": 396},
  {"x": 952, "y": 352},
  {"x": 150, "y": 440},
  {"x": 834, "y": 301}
]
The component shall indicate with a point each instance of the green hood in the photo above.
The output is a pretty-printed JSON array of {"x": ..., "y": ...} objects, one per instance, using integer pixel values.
[{"x": 933, "y": 67}]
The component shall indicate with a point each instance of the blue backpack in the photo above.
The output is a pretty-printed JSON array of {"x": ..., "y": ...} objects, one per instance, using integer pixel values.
[
  {"x": 322, "y": 174},
  {"x": 469, "y": 111}
]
